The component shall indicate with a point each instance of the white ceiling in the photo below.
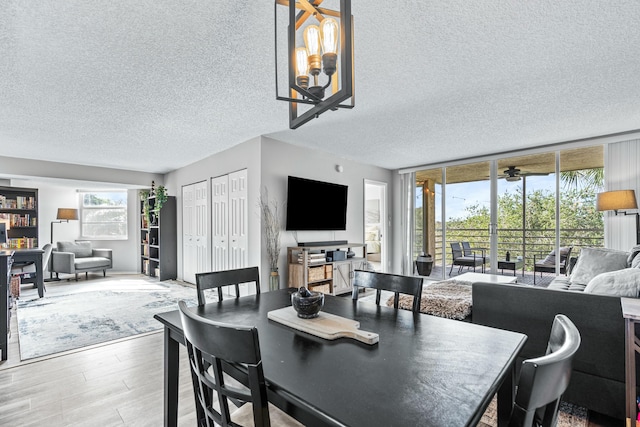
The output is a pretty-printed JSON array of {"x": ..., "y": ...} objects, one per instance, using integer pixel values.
[{"x": 155, "y": 85}]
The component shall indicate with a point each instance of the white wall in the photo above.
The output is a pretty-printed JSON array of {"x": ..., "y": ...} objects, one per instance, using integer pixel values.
[
  {"x": 622, "y": 172},
  {"x": 279, "y": 160},
  {"x": 242, "y": 156},
  {"x": 52, "y": 196}
]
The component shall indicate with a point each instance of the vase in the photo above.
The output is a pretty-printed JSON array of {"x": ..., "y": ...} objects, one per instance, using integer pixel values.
[{"x": 274, "y": 280}]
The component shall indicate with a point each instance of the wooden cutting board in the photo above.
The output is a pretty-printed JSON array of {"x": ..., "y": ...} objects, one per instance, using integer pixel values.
[{"x": 326, "y": 325}]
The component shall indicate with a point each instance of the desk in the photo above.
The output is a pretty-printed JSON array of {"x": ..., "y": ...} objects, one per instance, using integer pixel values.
[
  {"x": 425, "y": 370},
  {"x": 631, "y": 314},
  {"x": 32, "y": 255}
]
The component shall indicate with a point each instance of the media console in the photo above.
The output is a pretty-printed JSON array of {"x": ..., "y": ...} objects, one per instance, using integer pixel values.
[{"x": 308, "y": 267}]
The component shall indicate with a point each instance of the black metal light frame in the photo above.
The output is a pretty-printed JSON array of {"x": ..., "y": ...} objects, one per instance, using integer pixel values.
[{"x": 345, "y": 72}]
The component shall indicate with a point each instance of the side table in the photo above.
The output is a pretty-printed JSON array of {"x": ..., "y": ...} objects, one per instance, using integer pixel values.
[
  {"x": 513, "y": 264},
  {"x": 631, "y": 314}
]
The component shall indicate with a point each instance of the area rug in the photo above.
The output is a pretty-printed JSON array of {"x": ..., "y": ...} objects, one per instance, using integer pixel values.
[
  {"x": 569, "y": 416},
  {"x": 95, "y": 313},
  {"x": 448, "y": 298}
]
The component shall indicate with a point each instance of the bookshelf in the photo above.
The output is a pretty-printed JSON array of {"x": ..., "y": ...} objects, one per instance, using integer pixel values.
[
  {"x": 19, "y": 208},
  {"x": 158, "y": 239}
]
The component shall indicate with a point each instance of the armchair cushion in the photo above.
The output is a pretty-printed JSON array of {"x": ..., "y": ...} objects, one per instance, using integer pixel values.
[
  {"x": 551, "y": 258},
  {"x": 79, "y": 249}
]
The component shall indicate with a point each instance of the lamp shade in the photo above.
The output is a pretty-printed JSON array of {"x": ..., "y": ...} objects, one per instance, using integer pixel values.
[
  {"x": 616, "y": 200},
  {"x": 67, "y": 214}
]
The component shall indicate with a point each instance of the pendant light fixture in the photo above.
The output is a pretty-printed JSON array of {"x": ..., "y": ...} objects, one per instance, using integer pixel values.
[{"x": 320, "y": 58}]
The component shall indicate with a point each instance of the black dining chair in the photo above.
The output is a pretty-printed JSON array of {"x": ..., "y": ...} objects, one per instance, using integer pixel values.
[
  {"x": 543, "y": 380},
  {"x": 209, "y": 345},
  {"x": 219, "y": 279},
  {"x": 409, "y": 285}
]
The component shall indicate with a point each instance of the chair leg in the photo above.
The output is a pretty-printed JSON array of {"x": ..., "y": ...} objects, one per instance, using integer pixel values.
[
  {"x": 76, "y": 277},
  {"x": 450, "y": 271},
  {"x": 104, "y": 273},
  {"x": 86, "y": 275}
]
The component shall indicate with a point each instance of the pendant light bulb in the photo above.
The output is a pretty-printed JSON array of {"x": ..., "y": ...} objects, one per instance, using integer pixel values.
[
  {"x": 329, "y": 37},
  {"x": 312, "y": 42},
  {"x": 302, "y": 67}
]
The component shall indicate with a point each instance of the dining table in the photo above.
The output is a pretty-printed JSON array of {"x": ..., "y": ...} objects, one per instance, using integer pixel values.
[{"x": 424, "y": 370}]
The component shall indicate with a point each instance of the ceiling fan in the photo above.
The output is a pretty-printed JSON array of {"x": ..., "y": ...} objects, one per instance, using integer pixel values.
[{"x": 512, "y": 174}]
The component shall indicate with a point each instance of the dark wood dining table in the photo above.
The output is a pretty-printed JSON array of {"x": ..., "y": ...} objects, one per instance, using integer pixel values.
[{"x": 425, "y": 370}]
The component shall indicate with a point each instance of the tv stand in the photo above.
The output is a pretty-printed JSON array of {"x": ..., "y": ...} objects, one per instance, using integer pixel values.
[
  {"x": 308, "y": 267},
  {"x": 324, "y": 243}
]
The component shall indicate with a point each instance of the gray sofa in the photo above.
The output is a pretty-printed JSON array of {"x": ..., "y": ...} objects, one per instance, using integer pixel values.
[
  {"x": 590, "y": 297},
  {"x": 78, "y": 257}
]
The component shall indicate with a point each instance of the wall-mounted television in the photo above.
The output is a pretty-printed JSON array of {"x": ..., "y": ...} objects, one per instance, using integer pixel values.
[{"x": 316, "y": 205}]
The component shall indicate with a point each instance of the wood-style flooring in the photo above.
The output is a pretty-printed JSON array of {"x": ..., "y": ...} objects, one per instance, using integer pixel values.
[{"x": 113, "y": 384}]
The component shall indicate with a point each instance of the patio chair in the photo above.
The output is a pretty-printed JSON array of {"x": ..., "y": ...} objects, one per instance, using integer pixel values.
[
  {"x": 474, "y": 260},
  {"x": 469, "y": 251},
  {"x": 548, "y": 264}
]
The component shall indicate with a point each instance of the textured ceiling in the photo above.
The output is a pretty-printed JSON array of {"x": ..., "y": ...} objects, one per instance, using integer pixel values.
[{"x": 155, "y": 85}]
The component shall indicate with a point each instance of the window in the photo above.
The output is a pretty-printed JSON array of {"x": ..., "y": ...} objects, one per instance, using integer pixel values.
[{"x": 104, "y": 215}]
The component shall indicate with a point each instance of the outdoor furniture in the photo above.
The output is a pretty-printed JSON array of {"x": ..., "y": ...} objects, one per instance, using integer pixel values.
[
  {"x": 513, "y": 264},
  {"x": 461, "y": 260},
  {"x": 410, "y": 285},
  {"x": 548, "y": 264},
  {"x": 543, "y": 380},
  {"x": 219, "y": 279},
  {"x": 323, "y": 382},
  {"x": 209, "y": 345}
]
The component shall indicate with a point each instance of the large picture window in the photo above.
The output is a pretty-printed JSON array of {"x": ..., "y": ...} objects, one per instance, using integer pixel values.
[{"x": 104, "y": 215}]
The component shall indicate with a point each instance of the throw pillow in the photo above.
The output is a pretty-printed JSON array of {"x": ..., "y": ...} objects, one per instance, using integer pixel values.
[
  {"x": 594, "y": 261},
  {"x": 635, "y": 263},
  {"x": 623, "y": 283},
  {"x": 551, "y": 258},
  {"x": 633, "y": 253}
]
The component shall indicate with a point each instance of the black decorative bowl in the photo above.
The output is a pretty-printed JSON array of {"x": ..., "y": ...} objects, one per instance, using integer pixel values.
[{"x": 309, "y": 306}]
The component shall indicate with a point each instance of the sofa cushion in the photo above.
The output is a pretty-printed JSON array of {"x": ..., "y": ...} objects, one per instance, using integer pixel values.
[
  {"x": 594, "y": 261},
  {"x": 563, "y": 283},
  {"x": 624, "y": 283},
  {"x": 80, "y": 249}
]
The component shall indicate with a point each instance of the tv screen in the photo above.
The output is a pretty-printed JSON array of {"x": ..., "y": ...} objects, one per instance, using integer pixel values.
[{"x": 316, "y": 205}]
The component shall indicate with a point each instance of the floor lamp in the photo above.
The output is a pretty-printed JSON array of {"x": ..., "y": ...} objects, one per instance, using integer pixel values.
[
  {"x": 618, "y": 200},
  {"x": 64, "y": 215}
]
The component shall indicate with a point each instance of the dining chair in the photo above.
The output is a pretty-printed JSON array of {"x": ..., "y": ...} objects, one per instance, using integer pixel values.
[
  {"x": 544, "y": 379},
  {"x": 410, "y": 285},
  {"x": 209, "y": 345},
  {"x": 219, "y": 279}
]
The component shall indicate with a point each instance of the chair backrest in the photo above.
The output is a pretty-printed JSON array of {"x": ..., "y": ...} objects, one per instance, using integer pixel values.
[
  {"x": 544, "y": 379},
  {"x": 564, "y": 257},
  {"x": 466, "y": 249},
  {"x": 410, "y": 285},
  {"x": 219, "y": 279},
  {"x": 47, "y": 254},
  {"x": 456, "y": 250},
  {"x": 209, "y": 344}
]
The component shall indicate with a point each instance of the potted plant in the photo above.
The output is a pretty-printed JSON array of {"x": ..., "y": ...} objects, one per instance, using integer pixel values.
[
  {"x": 161, "y": 197},
  {"x": 271, "y": 227},
  {"x": 144, "y": 197}
]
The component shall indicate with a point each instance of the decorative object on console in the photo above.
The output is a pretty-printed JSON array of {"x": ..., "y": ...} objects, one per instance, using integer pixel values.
[
  {"x": 328, "y": 45},
  {"x": 619, "y": 200},
  {"x": 271, "y": 222},
  {"x": 4, "y": 226}
]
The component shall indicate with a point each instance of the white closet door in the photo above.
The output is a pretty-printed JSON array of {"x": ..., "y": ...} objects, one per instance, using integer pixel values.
[
  {"x": 201, "y": 205},
  {"x": 238, "y": 219},
  {"x": 188, "y": 234},
  {"x": 220, "y": 223}
]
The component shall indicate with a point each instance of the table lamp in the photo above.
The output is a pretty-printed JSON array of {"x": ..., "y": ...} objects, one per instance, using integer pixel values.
[{"x": 619, "y": 200}]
